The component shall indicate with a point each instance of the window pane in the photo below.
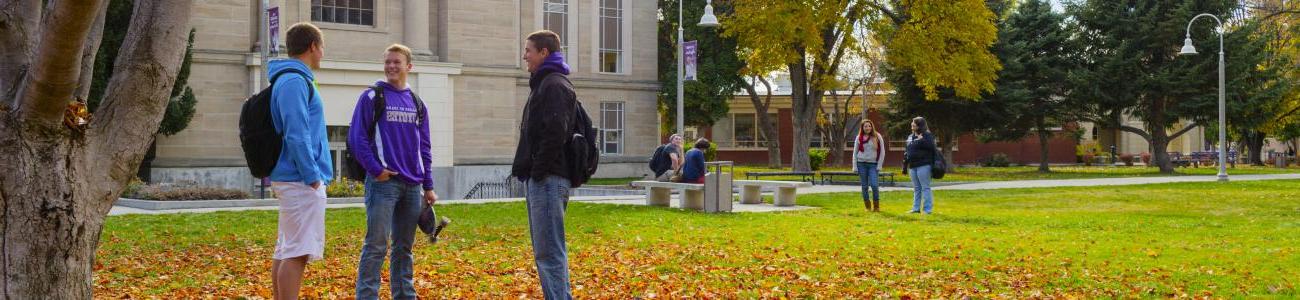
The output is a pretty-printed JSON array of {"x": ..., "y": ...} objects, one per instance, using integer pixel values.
[
  {"x": 341, "y": 15},
  {"x": 367, "y": 17},
  {"x": 355, "y": 4},
  {"x": 368, "y": 4},
  {"x": 355, "y": 16},
  {"x": 744, "y": 130},
  {"x": 327, "y": 3},
  {"x": 315, "y": 13},
  {"x": 327, "y": 14}
]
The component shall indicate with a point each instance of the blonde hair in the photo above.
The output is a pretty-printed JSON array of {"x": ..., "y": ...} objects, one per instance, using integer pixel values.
[{"x": 399, "y": 48}]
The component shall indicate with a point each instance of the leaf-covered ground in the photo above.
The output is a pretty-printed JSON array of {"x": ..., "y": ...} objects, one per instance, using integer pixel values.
[{"x": 1169, "y": 240}]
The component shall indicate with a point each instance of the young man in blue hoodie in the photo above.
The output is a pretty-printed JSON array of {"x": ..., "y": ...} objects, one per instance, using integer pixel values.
[
  {"x": 304, "y": 166},
  {"x": 541, "y": 159},
  {"x": 396, "y": 154}
]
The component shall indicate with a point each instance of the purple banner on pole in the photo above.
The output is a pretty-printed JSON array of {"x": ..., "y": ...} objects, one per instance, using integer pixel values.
[
  {"x": 688, "y": 53},
  {"x": 273, "y": 24}
]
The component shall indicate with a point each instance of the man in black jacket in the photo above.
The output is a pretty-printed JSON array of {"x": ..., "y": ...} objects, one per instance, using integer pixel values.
[{"x": 541, "y": 160}]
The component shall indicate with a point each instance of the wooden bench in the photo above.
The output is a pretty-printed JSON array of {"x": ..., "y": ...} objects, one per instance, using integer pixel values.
[
  {"x": 751, "y": 191},
  {"x": 660, "y": 193},
  {"x": 828, "y": 177},
  {"x": 803, "y": 176}
]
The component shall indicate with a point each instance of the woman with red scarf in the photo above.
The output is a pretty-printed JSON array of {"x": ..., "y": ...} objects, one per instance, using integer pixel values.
[{"x": 868, "y": 157}]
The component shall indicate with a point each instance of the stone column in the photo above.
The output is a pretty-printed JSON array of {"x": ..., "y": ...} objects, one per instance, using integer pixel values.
[{"x": 415, "y": 13}]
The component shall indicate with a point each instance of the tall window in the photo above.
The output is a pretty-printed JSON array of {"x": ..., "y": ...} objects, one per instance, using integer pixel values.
[
  {"x": 611, "y": 123},
  {"x": 355, "y": 12},
  {"x": 555, "y": 17},
  {"x": 611, "y": 36},
  {"x": 740, "y": 131}
]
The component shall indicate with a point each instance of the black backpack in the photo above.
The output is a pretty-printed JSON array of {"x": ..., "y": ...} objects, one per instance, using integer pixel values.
[
  {"x": 660, "y": 162},
  {"x": 354, "y": 169},
  {"x": 257, "y": 134},
  {"x": 584, "y": 157}
]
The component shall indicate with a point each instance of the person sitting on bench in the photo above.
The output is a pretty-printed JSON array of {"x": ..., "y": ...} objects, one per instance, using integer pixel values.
[{"x": 693, "y": 168}]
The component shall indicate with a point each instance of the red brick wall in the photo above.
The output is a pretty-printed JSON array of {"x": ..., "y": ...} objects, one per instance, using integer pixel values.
[{"x": 970, "y": 151}]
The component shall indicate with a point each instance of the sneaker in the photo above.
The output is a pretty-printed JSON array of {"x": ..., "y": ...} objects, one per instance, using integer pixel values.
[
  {"x": 915, "y": 212},
  {"x": 442, "y": 224}
]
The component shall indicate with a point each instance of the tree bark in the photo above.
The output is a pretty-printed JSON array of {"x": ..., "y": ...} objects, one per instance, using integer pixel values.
[
  {"x": 19, "y": 24},
  {"x": 805, "y": 122},
  {"x": 53, "y": 75},
  {"x": 58, "y": 184},
  {"x": 90, "y": 51},
  {"x": 767, "y": 126},
  {"x": 1043, "y": 136}
]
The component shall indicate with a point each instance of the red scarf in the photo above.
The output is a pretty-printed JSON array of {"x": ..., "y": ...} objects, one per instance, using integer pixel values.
[{"x": 862, "y": 143}]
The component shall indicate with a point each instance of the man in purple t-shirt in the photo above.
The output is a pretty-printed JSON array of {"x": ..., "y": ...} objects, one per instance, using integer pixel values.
[{"x": 396, "y": 154}]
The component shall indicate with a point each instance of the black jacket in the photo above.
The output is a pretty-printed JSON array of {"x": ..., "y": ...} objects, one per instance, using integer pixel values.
[
  {"x": 920, "y": 152},
  {"x": 545, "y": 127}
]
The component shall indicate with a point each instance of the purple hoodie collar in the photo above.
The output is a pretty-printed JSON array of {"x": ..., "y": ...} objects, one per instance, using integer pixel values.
[{"x": 554, "y": 63}]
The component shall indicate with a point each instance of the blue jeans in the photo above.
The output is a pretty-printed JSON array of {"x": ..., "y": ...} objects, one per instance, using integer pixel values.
[
  {"x": 869, "y": 178},
  {"x": 921, "y": 189},
  {"x": 392, "y": 209},
  {"x": 547, "y": 200}
]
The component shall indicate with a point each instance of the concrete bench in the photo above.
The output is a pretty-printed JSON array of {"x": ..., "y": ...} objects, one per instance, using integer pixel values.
[
  {"x": 660, "y": 193},
  {"x": 828, "y": 178},
  {"x": 751, "y": 191}
]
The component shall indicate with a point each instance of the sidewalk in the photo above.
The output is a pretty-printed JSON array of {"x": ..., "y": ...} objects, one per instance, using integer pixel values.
[{"x": 817, "y": 189}]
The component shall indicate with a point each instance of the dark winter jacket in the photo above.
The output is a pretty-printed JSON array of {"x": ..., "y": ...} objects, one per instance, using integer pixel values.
[
  {"x": 920, "y": 151},
  {"x": 547, "y": 123}
]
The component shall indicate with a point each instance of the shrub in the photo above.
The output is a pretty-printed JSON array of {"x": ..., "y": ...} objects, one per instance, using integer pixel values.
[
  {"x": 343, "y": 187},
  {"x": 996, "y": 160},
  {"x": 1146, "y": 158},
  {"x": 817, "y": 157},
  {"x": 711, "y": 154},
  {"x": 184, "y": 192},
  {"x": 1088, "y": 158},
  {"x": 1127, "y": 159},
  {"x": 132, "y": 188}
]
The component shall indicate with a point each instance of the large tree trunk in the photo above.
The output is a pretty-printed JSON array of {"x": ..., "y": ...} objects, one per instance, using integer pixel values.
[
  {"x": 57, "y": 184},
  {"x": 1043, "y": 136},
  {"x": 766, "y": 125},
  {"x": 1254, "y": 142},
  {"x": 948, "y": 140},
  {"x": 805, "y": 118}
]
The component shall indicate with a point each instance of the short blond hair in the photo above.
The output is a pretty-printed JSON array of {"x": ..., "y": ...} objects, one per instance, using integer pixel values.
[{"x": 399, "y": 48}]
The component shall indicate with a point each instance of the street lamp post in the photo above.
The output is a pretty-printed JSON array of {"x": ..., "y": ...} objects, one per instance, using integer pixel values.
[
  {"x": 1223, "y": 127},
  {"x": 708, "y": 20}
]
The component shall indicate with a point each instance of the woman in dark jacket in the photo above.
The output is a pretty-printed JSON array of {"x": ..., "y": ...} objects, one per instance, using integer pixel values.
[{"x": 918, "y": 159}]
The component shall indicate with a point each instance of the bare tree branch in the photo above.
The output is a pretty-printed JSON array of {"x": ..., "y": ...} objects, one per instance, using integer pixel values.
[
  {"x": 18, "y": 27},
  {"x": 91, "y": 49},
  {"x": 144, "y": 73},
  {"x": 1137, "y": 131},
  {"x": 53, "y": 77},
  {"x": 1180, "y": 132}
]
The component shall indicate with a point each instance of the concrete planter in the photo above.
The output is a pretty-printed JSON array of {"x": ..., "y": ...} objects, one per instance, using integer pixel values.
[{"x": 166, "y": 205}]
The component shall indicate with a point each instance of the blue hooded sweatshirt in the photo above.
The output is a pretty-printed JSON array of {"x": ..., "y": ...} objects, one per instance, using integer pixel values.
[
  {"x": 305, "y": 156},
  {"x": 403, "y": 144}
]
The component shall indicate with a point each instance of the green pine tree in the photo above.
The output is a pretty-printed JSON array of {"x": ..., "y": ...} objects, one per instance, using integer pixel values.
[{"x": 1036, "y": 59}]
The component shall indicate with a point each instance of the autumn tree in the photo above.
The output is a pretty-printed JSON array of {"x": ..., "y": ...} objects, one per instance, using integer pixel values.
[
  {"x": 62, "y": 174},
  {"x": 944, "y": 41},
  {"x": 838, "y": 118},
  {"x": 766, "y": 123}
]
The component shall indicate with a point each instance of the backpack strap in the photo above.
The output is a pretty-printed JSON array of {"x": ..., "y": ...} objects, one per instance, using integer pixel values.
[
  {"x": 311, "y": 92},
  {"x": 419, "y": 107}
]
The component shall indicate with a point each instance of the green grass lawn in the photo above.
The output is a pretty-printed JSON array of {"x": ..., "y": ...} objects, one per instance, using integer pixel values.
[
  {"x": 1167, "y": 240},
  {"x": 1031, "y": 172}
]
